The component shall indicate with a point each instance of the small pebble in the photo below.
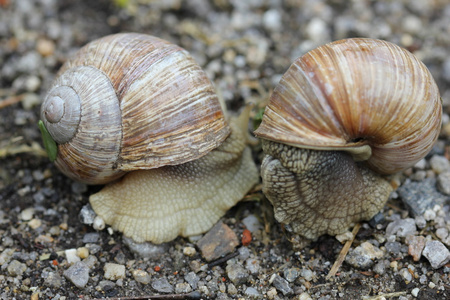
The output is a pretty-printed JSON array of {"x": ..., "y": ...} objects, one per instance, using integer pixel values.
[
  {"x": 71, "y": 256},
  {"x": 436, "y": 253},
  {"x": 363, "y": 256},
  {"x": 78, "y": 274},
  {"x": 415, "y": 246},
  {"x": 291, "y": 274},
  {"x": 420, "y": 222},
  {"x": 45, "y": 47},
  {"x": 415, "y": 292},
  {"x": 35, "y": 223},
  {"x": 114, "y": 271},
  {"x": 443, "y": 183},
  {"x": 192, "y": 279},
  {"x": 252, "y": 293},
  {"x": 271, "y": 293},
  {"x": 27, "y": 214},
  {"x": 402, "y": 227},
  {"x": 252, "y": 223},
  {"x": 281, "y": 284},
  {"x": 406, "y": 275},
  {"x": 182, "y": 288},
  {"x": 53, "y": 280},
  {"x": 146, "y": 250},
  {"x": 162, "y": 285},
  {"x": 16, "y": 268},
  {"x": 304, "y": 296},
  {"x": 91, "y": 237},
  {"x": 83, "y": 252},
  {"x": 87, "y": 215},
  {"x": 189, "y": 251},
  {"x": 141, "y": 276},
  {"x": 236, "y": 273},
  {"x": 439, "y": 164},
  {"x": 252, "y": 265},
  {"x": 418, "y": 196},
  {"x": 307, "y": 274},
  {"x": 99, "y": 223},
  {"x": 217, "y": 242}
]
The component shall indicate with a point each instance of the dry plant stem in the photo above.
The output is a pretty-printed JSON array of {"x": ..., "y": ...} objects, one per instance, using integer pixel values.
[
  {"x": 11, "y": 100},
  {"x": 343, "y": 253},
  {"x": 192, "y": 295},
  {"x": 384, "y": 296}
]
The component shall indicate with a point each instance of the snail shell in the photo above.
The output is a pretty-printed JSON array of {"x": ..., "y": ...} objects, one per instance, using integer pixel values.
[
  {"x": 343, "y": 116},
  {"x": 128, "y": 102},
  {"x": 368, "y": 97}
]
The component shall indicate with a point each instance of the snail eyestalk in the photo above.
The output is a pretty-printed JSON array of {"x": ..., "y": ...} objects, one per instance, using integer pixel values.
[{"x": 49, "y": 142}]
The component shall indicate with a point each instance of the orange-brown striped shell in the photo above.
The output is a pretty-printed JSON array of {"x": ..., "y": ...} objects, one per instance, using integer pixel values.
[
  {"x": 366, "y": 96},
  {"x": 128, "y": 102}
]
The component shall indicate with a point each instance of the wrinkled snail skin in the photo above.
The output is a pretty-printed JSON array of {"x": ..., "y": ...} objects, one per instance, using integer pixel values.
[
  {"x": 186, "y": 199},
  {"x": 343, "y": 116},
  {"x": 138, "y": 107}
]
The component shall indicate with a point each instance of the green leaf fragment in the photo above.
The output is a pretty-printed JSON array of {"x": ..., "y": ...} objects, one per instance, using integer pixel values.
[{"x": 49, "y": 143}]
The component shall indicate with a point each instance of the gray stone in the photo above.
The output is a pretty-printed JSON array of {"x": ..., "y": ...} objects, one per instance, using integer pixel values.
[
  {"x": 402, "y": 227},
  {"x": 418, "y": 196},
  {"x": 443, "y": 183},
  {"x": 252, "y": 265},
  {"x": 78, "y": 274},
  {"x": 307, "y": 274},
  {"x": 91, "y": 237},
  {"x": 363, "y": 256},
  {"x": 393, "y": 247},
  {"x": 162, "y": 285},
  {"x": 281, "y": 284},
  {"x": 252, "y": 223},
  {"x": 146, "y": 250},
  {"x": 236, "y": 273},
  {"x": 439, "y": 164},
  {"x": 291, "y": 274},
  {"x": 87, "y": 215},
  {"x": 53, "y": 280},
  {"x": 380, "y": 267},
  {"x": 141, "y": 276},
  {"x": 436, "y": 253},
  {"x": 192, "y": 279},
  {"x": 252, "y": 293},
  {"x": 16, "y": 268},
  {"x": 182, "y": 288}
]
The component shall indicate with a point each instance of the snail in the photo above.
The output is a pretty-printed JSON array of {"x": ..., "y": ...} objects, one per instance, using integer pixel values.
[
  {"x": 137, "y": 113},
  {"x": 344, "y": 117}
]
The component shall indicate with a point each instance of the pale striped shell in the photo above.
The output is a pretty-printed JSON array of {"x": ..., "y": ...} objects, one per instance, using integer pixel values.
[
  {"x": 128, "y": 102},
  {"x": 369, "y": 97}
]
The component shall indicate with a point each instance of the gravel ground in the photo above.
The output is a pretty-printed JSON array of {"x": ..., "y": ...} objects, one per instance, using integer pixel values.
[{"x": 46, "y": 252}]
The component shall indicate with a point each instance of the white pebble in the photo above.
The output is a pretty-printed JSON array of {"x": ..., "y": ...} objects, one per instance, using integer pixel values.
[
  {"x": 189, "y": 251},
  {"x": 71, "y": 256},
  {"x": 431, "y": 285},
  {"x": 429, "y": 215},
  {"x": 439, "y": 164},
  {"x": 27, "y": 214},
  {"x": 99, "y": 223},
  {"x": 114, "y": 271},
  {"x": 272, "y": 20},
  {"x": 415, "y": 292}
]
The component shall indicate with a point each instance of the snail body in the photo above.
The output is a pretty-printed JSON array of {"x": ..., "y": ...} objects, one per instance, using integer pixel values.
[
  {"x": 135, "y": 103},
  {"x": 370, "y": 107}
]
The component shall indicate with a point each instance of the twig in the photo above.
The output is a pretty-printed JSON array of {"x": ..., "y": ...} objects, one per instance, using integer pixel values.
[
  {"x": 11, "y": 100},
  {"x": 192, "y": 295},
  {"x": 343, "y": 253},
  {"x": 389, "y": 295},
  {"x": 223, "y": 259},
  {"x": 16, "y": 146}
]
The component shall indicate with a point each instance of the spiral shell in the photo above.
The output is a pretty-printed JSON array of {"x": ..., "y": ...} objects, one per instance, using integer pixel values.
[
  {"x": 128, "y": 102},
  {"x": 368, "y": 97}
]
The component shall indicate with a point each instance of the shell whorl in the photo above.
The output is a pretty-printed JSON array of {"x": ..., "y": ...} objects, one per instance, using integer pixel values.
[
  {"x": 144, "y": 103},
  {"x": 357, "y": 93}
]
